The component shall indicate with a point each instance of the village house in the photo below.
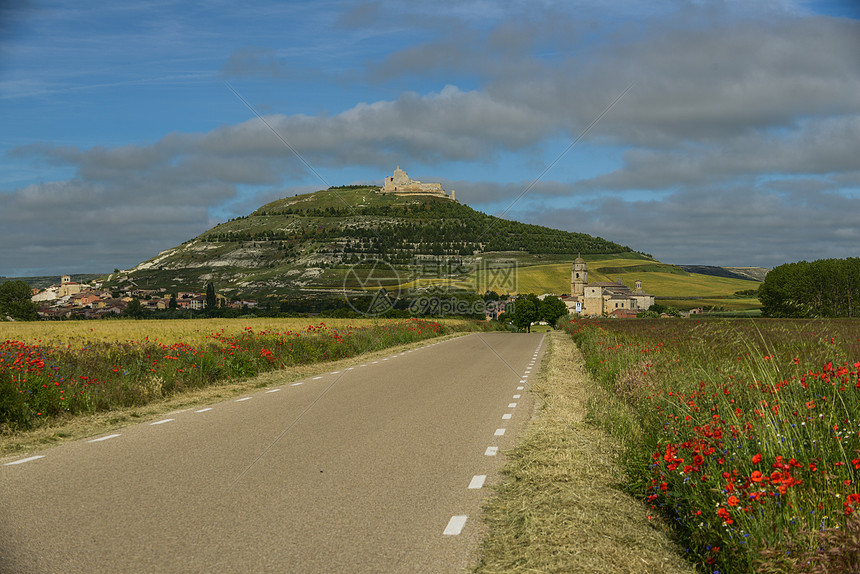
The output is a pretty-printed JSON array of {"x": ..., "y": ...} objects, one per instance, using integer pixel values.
[
  {"x": 69, "y": 287},
  {"x": 69, "y": 299}
]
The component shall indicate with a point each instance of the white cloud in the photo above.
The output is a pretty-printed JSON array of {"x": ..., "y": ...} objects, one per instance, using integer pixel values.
[{"x": 731, "y": 105}]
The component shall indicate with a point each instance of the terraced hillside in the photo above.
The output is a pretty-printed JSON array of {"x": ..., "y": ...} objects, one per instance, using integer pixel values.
[{"x": 322, "y": 241}]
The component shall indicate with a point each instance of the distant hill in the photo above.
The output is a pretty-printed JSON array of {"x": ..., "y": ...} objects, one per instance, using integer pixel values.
[
  {"x": 748, "y": 273},
  {"x": 322, "y": 241}
]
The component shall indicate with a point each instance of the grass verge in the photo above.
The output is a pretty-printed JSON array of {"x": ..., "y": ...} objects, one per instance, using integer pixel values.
[{"x": 560, "y": 507}]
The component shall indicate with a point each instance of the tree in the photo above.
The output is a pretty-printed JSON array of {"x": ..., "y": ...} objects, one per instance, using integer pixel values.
[
  {"x": 490, "y": 295},
  {"x": 15, "y": 301},
  {"x": 822, "y": 288},
  {"x": 173, "y": 304},
  {"x": 552, "y": 309},
  {"x": 525, "y": 313},
  {"x": 134, "y": 310},
  {"x": 211, "y": 300}
]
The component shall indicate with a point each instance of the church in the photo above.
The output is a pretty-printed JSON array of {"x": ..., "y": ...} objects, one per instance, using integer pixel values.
[{"x": 604, "y": 299}]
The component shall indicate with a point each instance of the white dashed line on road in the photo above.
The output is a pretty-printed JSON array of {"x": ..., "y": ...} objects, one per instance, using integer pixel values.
[
  {"x": 296, "y": 384},
  {"x": 455, "y": 525},
  {"x": 499, "y": 432},
  {"x": 316, "y": 378},
  {"x": 506, "y": 416},
  {"x": 477, "y": 481},
  {"x": 512, "y": 405},
  {"x": 243, "y": 399},
  {"x": 492, "y": 451},
  {"x": 100, "y": 439},
  {"x": 23, "y": 460},
  {"x": 516, "y": 396},
  {"x": 204, "y": 410},
  {"x": 273, "y": 391},
  {"x": 161, "y": 422}
]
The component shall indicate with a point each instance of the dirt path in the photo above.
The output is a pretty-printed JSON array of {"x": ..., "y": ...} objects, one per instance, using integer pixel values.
[{"x": 559, "y": 508}]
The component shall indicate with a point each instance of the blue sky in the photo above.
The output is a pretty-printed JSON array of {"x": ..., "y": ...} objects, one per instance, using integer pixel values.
[{"x": 736, "y": 143}]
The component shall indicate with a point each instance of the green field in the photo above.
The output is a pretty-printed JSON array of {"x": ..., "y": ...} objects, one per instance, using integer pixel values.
[{"x": 670, "y": 283}]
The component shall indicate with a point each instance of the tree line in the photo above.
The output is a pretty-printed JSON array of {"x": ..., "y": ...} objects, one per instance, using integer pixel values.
[{"x": 822, "y": 288}]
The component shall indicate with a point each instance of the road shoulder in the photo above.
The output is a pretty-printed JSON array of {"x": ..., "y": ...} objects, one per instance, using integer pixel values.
[{"x": 559, "y": 508}]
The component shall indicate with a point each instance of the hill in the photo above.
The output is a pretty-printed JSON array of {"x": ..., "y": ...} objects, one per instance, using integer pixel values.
[
  {"x": 322, "y": 241},
  {"x": 355, "y": 239},
  {"x": 747, "y": 273}
]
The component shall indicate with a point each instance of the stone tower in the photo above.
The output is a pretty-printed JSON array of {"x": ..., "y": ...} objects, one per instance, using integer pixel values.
[{"x": 578, "y": 277}]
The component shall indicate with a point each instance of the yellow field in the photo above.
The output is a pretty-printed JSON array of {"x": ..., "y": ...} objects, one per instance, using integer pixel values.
[{"x": 191, "y": 331}]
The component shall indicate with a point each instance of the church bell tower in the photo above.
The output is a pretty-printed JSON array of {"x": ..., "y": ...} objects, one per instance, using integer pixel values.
[{"x": 578, "y": 277}]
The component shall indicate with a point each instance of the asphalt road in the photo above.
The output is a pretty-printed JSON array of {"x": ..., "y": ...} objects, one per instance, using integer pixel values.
[{"x": 377, "y": 468}]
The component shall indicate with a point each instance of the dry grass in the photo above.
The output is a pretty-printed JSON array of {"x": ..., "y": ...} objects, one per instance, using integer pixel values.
[{"x": 559, "y": 508}]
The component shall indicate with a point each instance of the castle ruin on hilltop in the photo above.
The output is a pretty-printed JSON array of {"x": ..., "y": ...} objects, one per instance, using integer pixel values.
[{"x": 400, "y": 184}]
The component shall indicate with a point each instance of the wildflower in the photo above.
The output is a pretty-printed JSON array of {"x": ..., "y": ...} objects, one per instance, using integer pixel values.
[{"x": 756, "y": 458}]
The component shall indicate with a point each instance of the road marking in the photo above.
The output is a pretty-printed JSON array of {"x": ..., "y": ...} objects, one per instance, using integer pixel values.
[
  {"x": 373, "y": 362},
  {"x": 520, "y": 388},
  {"x": 108, "y": 437},
  {"x": 512, "y": 405},
  {"x": 492, "y": 451},
  {"x": 351, "y": 369},
  {"x": 161, "y": 422},
  {"x": 204, "y": 410},
  {"x": 506, "y": 416},
  {"x": 177, "y": 412},
  {"x": 385, "y": 359},
  {"x": 477, "y": 481},
  {"x": 334, "y": 373},
  {"x": 243, "y": 399},
  {"x": 296, "y": 384},
  {"x": 273, "y": 391},
  {"x": 516, "y": 396},
  {"x": 23, "y": 460},
  {"x": 499, "y": 432},
  {"x": 525, "y": 377},
  {"x": 316, "y": 378},
  {"x": 455, "y": 525}
]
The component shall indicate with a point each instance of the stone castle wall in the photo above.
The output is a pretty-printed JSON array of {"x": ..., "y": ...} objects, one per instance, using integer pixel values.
[{"x": 400, "y": 184}]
